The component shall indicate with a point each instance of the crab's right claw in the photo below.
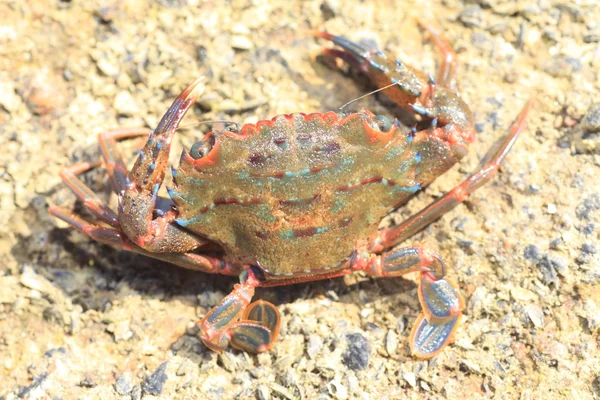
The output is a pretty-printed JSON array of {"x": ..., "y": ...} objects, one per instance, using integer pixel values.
[
  {"x": 442, "y": 308},
  {"x": 248, "y": 327}
]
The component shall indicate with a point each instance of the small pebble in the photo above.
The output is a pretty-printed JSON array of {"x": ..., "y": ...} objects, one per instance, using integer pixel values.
[
  {"x": 532, "y": 253},
  {"x": 410, "y": 378},
  {"x": 391, "y": 342},
  {"x": 136, "y": 392},
  {"x": 153, "y": 384},
  {"x": 356, "y": 356},
  {"x": 588, "y": 248},
  {"x": 314, "y": 345},
  {"x": 471, "y": 16},
  {"x": 108, "y": 68},
  {"x": 263, "y": 392},
  {"x": 282, "y": 391},
  {"x": 184, "y": 368},
  {"x": 327, "y": 11},
  {"x": 241, "y": 42},
  {"x": 588, "y": 206},
  {"x": 591, "y": 119},
  {"x": 87, "y": 382},
  {"x": 562, "y": 67},
  {"x": 229, "y": 361},
  {"x": 124, "y": 384},
  {"x": 8, "y": 97},
  {"x": 337, "y": 390},
  {"x": 536, "y": 315},
  {"x": 30, "y": 279},
  {"x": 551, "y": 208},
  {"x": 124, "y": 104}
]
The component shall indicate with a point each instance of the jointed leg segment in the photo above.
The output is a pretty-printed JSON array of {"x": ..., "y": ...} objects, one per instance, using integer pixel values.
[{"x": 440, "y": 300}]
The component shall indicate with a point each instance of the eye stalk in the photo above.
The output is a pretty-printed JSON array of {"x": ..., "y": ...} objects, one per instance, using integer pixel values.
[
  {"x": 232, "y": 128},
  {"x": 201, "y": 148},
  {"x": 383, "y": 123}
]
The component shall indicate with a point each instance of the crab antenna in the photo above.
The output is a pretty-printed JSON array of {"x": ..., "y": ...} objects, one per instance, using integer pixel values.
[
  {"x": 213, "y": 121},
  {"x": 367, "y": 94}
]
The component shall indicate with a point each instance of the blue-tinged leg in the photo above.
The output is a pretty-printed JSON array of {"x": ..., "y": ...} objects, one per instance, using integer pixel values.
[{"x": 440, "y": 300}]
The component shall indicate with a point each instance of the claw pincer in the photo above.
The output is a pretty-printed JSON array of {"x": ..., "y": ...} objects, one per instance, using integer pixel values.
[{"x": 252, "y": 327}]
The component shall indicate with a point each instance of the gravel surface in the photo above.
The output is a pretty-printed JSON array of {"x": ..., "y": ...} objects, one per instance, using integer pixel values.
[{"x": 83, "y": 320}]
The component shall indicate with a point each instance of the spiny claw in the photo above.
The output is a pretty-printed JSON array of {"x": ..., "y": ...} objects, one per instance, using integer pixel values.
[{"x": 442, "y": 308}]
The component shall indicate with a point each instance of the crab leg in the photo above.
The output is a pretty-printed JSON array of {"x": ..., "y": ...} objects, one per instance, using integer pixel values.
[
  {"x": 440, "y": 300},
  {"x": 446, "y": 75},
  {"x": 114, "y": 164},
  {"x": 490, "y": 164},
  {"x": 252, "y": 327},
  {"x": 113, "y": 161},
  {"x": 115, "y": 237},
  {"x": 137, "y": 206},
  {"x": 100, "y": 234},
  {"x": 85, "y": 195}
]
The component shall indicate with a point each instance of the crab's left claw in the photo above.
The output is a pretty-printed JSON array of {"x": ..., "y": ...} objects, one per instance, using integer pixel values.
[{"x": 442, "y": 308}]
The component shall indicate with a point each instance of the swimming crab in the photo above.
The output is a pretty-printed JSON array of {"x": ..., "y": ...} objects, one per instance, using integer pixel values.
[{"x": 299, "y": 197}]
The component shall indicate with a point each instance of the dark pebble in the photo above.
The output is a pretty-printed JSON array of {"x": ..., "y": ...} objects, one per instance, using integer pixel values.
[
  {"x": 58, "y": 350},
  {"x": 555, "y": 244},
  {"x": 591, "y": 120},
  {"x": 562, "y": 67},
  {"x": 153, "y": 384},
  {"x": 563, "y": 142},
  {"x": 547, "y": 268},
  {"x": 466, "y": 246},
  {"x": 88, "y": 383},
  {"x": 136, "y": 392},
  {"x": 588, "y": 229},
  {"x": 327, "y": 11},
  {"x": 356, "y": 356},
  {"x": 53, "y": 316},
  {"x": 66, "y": 280},
  {"x": 591, "y": 38},
  {"x": 37, "y": 381},
  {"x": 123, "y": 384},
  {"x": 588, "y": 248},
  {"x": 596, "y": 386},
  {"x": 588, "y": 205},
  {"x": 532, "y": 253},
  {"x": 471, "y": 16}
]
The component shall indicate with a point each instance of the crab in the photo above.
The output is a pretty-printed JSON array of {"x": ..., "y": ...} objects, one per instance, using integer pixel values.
[{"x": 299, "y": 197}]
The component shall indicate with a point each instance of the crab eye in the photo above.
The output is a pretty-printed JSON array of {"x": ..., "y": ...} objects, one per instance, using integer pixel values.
[
  {"x": 383, "y": 123},
  {"x": 233, "y": 128},
  {"x": 202, "y": 147}
]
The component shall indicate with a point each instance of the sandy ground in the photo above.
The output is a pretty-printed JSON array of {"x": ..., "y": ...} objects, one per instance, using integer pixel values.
[{"x": 83, "y": 320}]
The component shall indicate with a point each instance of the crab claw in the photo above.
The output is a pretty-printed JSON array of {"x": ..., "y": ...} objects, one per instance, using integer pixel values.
[
  {"x": 248, "y": 327},
  {"x": 442, "y": 308}
]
